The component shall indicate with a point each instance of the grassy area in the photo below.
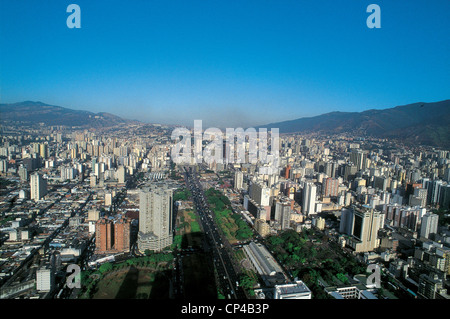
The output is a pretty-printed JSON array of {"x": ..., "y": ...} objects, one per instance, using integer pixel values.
[
  {"x": 136, "y": 278},
  {"x": 182, "y": 194},
  {"x": 188, "y": 231},
  {"x": 310, "y": 257},
  {"x": 234, "y": 228}
]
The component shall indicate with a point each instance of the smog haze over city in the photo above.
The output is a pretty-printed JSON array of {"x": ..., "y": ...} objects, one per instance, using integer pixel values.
[{"x": 219, "y": 155}]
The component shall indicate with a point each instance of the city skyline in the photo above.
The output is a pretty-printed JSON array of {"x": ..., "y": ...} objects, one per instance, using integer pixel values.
[
  {"x": 230, "y": 64},
  {"x": 316, "y": 164}
]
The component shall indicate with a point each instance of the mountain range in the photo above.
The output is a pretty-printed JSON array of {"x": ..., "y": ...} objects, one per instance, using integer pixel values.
[
  {"x": 30, "y": 112},
  {"x": 416, "y": 123}
]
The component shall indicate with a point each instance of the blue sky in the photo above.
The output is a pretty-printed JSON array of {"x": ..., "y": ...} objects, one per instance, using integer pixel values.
[{"x": 230, "y": 63}]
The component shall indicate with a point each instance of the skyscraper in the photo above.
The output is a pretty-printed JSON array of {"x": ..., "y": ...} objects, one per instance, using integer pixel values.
[
  {"x": 357, "y": 157},
  {"x": 331, "y": 187},
  {"x": 362, "y": 224},
  {"x": 238, "y": 180},
  {"x": 429, "y": 225},
  {"x": 155, "y": 218},
  {"x": 38, "y": 186},
  {"x": 121, "y": 174},
  {"x": 112, "y": 235},
  {"x": 23, "y": 173},
  {"x": 309, "y": 199},
  {"x": 283, "y": 214},
  {"x": 43, "y": 150},
  {"x": 122, "y": 231},
  {"x": 104, "y": 235}
]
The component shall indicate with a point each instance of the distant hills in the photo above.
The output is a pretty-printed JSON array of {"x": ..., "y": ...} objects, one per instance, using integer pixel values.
[
  {"x": 37, "y": 112},
  {"x": 418, "y": 123}
]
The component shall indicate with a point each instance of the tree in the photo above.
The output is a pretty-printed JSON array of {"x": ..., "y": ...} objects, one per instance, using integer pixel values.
[
  {"x": 342, "y": 277},
  {"x": 148, "y": 252},
  {"x": 105, "y": 268}
]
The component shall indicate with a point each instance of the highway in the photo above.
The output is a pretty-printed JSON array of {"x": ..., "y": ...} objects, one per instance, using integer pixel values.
[{"x": 226, "y": 273}]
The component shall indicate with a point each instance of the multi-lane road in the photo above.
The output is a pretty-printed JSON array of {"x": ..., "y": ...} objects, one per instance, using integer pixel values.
[{"x": 219, "y": 247}]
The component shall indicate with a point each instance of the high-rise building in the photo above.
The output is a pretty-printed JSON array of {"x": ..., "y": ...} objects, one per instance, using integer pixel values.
[
  {"x": 434, "y": 189},
  {"x": 421, "y": 193},
  {"x": 430, "y": 286},
  {"x": 93, "y": 180},
  {"x": 260, "y": 194},
  {"x": 43, "y": 150},
  {"x": 38, "y": 186},
  {"x": 362, "y": 224},
  {"x": 283, "y": 214},
  {"x": 445, "y": 197},
  {"x": 45, "y": 279},
  {"x": 121, "y": 174},
  {"x": 287, "y": 171},
  {"x": 238, "y": 180},
  {"x": 23, "y": 173},
  {"x": 262, "y": 227},
  {"x": 350, "y": 172},
  {"x": 122, "y": 231},
  {"x": 357, "y": 157},
  {"x": 104, "y": 235},
  {"x": 330, "y": 187},
  {"x": 112, "y": 235},
  {"x": 108, "y": 199},
  {"x": 309, "y": 199},
  {"x": 155, "y": 218},
  {"x": 429, "y": 225},
  {"x": 381, "y": 182}
]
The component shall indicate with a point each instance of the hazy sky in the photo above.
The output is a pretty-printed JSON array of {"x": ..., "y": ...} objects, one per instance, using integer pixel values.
[{"x": 230, "y": 63}]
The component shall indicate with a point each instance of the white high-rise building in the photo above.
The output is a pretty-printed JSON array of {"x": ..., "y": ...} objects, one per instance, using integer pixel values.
[
  {"x": 45, "y": 279},
  {"x": 38, "y": 186},
  {"x": 155, "y": 218},
  {"x": 260, "y": 194},
  {"x": 121, "y": 174},
  {"x": 309, "y": 199},
  {"x": 238, "y": 180},
  {"x": 429, "y": 225}
]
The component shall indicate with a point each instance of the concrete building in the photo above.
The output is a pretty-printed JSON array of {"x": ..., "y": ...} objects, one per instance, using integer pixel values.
[
  {"x": 429, "y": 225},
  {"x": 113, "y": 235},
  {"x": 104, "y": 235},
  {"x": 263, "y": 262},
  {"x": 122, "y": 232},
  {"x": 295, "y": 290},
  {"x": 45, "y": 279},
  {"x": 283, "y": 214},
  {"x": 262, "y": 227},
  {"x": 238, "y": 180},
  {"x": 430, "y": 286},
  {"x": 362, "y": 224},
  {"x": 309, "y": 199},
  {"x": 358, "y": 291},
  {"x": 121, "y": 174},
  {"x": 260, "y": 194},
  {"x": 38, "y": 186},
  {"x": 330, "y": 187},
  {"x": 155, "y": 218}
]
